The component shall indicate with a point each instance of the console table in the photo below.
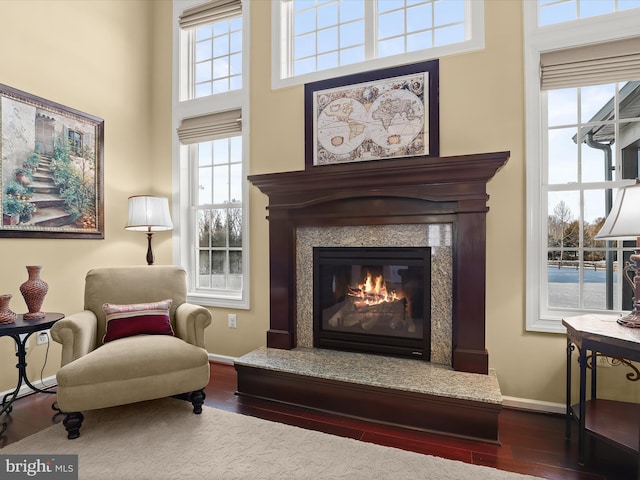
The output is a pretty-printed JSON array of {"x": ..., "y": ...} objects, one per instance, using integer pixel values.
[
  {"x": 20, "y": 331},
  {"x": 612, "y": 421}
]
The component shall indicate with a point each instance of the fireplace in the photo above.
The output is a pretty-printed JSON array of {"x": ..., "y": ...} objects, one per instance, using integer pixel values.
[
  {"x": 372, "y": 299},
  {"x": 356, "y": 217},
  {"x": 414, "y": 192}
]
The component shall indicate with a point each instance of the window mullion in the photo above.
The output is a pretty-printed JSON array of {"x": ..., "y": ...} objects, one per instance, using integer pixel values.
[
  {"x": 371, "y": 30},
  {"x": 578, "y": 130},
  {"x": 191, "y": 61},
  {"x": 287, "y": 20}
]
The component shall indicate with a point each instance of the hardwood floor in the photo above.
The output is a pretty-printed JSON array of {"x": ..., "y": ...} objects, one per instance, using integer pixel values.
[{"x": 532, "y": 443}]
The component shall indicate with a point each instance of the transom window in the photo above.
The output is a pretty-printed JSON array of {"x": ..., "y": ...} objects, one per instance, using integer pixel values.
[
  {"x": 217, "y": 57},
  {"x": 417, "y": 25},
  {"x": 558, "y": 11},
  {"x": 312, "y": 36},
  {"x": 211, "y": 44}
]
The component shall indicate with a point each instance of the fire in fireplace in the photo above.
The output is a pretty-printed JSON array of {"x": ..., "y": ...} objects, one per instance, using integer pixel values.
[{"x": 374, "y": 300}]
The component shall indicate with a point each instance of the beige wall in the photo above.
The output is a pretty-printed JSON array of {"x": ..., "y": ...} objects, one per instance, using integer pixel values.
[
  {"x": 94, "y": 56},
  {"x": 122, "y": 73}
]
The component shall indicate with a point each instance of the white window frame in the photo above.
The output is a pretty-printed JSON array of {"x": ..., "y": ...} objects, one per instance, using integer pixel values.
[
  {"x": 281, "y": 47},
  {"x": 613, "y": 26},
  {"x": 184, "y": 234}
]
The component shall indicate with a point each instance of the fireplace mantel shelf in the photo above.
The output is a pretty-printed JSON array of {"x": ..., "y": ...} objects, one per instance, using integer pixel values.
[
  {"x": 417, "y": 190},
  {"x": 439, "y": 179}
]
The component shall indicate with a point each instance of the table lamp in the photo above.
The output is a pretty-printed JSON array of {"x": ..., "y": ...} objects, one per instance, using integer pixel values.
[
  {"x": 149, "y": 213},
  {"x": 623, "y": 223}
]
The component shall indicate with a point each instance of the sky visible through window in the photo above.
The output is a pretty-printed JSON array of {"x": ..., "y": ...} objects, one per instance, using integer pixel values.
[
  {"x": 575, "y": 163},
  {"x": 333, "y": 33},
  {"x": 557, "y": 11},
  {"x": 218, "y": 57}
]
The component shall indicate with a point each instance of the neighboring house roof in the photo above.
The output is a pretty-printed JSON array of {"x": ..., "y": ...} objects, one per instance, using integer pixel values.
[{"x": 629, "y": 108}]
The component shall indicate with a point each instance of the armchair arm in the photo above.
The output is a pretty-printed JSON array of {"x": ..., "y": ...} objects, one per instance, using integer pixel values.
[
  {"x": 191, "y": 320},
  {"x": 77, "y": 334}
]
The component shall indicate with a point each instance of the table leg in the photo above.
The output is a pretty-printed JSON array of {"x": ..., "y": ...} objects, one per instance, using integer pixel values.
[
  {"x": 9, "y": 398},
  {"x": 583, "y": 394},
  {"x": 22, "y": 365},
  {"x": 569, "y": 415},
  {"x": 594, "y": 374}
]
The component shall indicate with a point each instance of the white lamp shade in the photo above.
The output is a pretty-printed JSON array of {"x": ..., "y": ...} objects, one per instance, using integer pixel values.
[
  {"x": 149, "y": 213},
  {"x": 623, "y": 223}
]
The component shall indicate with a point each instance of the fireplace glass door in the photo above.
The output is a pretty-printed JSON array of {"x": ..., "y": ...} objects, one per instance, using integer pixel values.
[{"x": 374, "y": 300}]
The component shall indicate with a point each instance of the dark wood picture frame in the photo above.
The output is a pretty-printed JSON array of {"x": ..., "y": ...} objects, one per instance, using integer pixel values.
[
  {"x": 52, "y": 169},
  {"x": 376, "y": 115}
]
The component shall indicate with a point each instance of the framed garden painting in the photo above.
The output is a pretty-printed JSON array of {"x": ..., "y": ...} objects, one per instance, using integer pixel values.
[
  {"x": 377, "y": 115},
  {"x": 52, "y": 169}
]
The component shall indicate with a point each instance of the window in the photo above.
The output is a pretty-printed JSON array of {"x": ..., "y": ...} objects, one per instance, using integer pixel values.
[
  {"x": 211, "y": 150},
  {"x": 212, "y": 40},
  {"x": 559, "y": 11},
  {"x": 75, "y": 142},
  {"x": 583, "y": 143},
  {"x": 592, "y": 147},
  {"x": 218, "y": 213},
  {"x": 215, "y": 161},
  {"x": 316, "y": 39},
  {"x": 218, "y": 57}
]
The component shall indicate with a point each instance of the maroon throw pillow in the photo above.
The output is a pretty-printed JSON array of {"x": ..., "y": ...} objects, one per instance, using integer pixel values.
[{"x": 137, "y": 319}]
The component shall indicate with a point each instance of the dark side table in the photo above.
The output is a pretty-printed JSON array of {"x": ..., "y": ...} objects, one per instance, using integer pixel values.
[
  {"x": 612, "y": 421},
  {"x": 15, "y": 330}
]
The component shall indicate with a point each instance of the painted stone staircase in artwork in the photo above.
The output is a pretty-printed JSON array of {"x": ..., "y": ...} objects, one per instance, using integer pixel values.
[{"x": 49, "y": 203}]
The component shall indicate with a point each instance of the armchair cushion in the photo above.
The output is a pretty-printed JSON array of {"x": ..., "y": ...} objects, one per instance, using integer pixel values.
[
  {"x": 132, "y": 369},
  {"x": 136, "y": 319}
]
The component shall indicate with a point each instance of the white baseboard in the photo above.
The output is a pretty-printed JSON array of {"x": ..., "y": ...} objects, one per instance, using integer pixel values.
[
  {"x": 213, "y": 357},
  {"x": 43, "y": 384},
  {"x": 534, "y": 405}
]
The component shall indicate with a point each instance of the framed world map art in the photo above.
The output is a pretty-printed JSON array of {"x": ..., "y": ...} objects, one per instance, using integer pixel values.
[{"x": 382, "y": 114}]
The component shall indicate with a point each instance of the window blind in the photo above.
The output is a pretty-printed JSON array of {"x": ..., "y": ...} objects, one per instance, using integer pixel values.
[
  {"x": 213, "y": 10},
  {"x": 615, "y": 61},
  {"x": 210, "y": 127}
]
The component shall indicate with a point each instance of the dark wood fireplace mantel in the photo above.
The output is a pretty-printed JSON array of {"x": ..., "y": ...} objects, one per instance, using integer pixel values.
[{"x": 418, "y": 190}]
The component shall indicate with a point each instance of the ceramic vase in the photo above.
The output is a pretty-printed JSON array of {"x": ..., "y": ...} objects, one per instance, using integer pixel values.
[
  {"x": 6, "y": 315},
  {"x": 34, "y": 291}
]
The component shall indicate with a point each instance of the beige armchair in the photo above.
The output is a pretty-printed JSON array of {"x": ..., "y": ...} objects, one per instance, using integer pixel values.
[{"x": 132, "y": 366}]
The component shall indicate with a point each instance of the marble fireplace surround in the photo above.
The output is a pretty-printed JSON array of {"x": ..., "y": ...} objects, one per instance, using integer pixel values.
[
  {"x": 436, "y": 236},
  {"x": 411, "y": 197}
]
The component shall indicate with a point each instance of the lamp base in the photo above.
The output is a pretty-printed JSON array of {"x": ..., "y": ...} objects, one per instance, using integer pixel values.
[
  {"x": 632, "y": 320},
  {"x": 149, "y": 251}
]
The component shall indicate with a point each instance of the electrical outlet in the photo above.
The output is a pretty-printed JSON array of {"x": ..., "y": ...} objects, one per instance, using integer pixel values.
[
  {"x": 232, "y": 320},
  {"x": 42, "y": 338}
]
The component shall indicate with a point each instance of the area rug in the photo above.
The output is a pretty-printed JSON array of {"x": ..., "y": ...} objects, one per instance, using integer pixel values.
[{"x": 163, "y": 439}]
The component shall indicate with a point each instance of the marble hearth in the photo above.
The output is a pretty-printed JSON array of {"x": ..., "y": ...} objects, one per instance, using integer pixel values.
[{"x": 395, "y": 391}]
